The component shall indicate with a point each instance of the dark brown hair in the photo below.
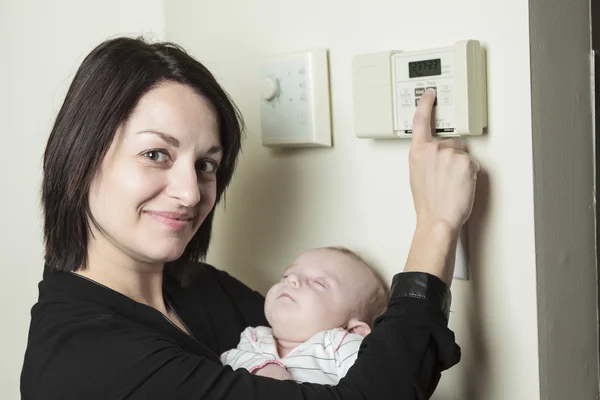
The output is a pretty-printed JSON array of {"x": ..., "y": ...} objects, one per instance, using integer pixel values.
[{"x": 105, "y": 90}]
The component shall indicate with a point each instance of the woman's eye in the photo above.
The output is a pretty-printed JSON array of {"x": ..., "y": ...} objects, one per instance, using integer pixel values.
[
  {"x": 157, "y": 156},
  {"x": 208, "y": 166}
]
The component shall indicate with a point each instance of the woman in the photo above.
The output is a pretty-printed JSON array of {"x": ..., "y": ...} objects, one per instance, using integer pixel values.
[{"x": 141, "y": 151}]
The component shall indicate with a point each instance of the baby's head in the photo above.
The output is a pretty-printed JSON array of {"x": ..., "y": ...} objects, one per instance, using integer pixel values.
[{"x": 322, "y": 289}]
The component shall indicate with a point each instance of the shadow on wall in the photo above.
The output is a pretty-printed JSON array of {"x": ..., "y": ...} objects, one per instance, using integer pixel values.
[
  {"x": 260, "y": 217},
  {"x": 477, "y": 364}
]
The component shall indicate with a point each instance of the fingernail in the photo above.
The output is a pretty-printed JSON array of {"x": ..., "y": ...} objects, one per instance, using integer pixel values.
[{"x": 431, "y": 90}]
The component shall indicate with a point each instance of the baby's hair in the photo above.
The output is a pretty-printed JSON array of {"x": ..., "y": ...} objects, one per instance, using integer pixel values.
[{"x": 376, "y": 303}]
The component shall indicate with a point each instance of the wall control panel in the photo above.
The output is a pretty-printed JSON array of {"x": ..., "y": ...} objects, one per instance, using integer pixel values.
[
  {"x": 388, "y": 86},
  {"x": 295, "y": 102}
]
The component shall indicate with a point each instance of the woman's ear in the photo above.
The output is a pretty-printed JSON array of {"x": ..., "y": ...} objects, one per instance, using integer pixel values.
[{"x": 358, "y": 327}]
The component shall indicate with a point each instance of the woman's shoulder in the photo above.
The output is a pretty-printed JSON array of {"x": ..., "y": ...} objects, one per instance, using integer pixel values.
[
  {"x": 72, "y": 310},
  {"x": 87, "y": 351},
  {"x": 67, "y": 320}
]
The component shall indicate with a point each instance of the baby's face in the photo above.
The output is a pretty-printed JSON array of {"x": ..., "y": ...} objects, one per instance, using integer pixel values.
[{"x": 318, "y": 291}]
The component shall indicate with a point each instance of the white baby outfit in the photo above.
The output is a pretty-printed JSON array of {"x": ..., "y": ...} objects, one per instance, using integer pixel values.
[{"x": 325, "y": 358}]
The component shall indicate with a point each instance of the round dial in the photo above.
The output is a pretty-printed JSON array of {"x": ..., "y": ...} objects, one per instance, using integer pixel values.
[{"x": 269, "y": 88}]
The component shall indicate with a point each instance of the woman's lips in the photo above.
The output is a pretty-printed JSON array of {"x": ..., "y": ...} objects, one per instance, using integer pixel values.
[{"x": 173, "y": 220}]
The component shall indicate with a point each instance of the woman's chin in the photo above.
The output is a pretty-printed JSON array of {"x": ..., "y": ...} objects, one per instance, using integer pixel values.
[{"x": 161, "y": 256}]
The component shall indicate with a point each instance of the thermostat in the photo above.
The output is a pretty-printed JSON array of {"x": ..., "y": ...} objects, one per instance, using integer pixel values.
[
  {"x": 388, "y": 86},
  {"x": 295, "y": 102}
]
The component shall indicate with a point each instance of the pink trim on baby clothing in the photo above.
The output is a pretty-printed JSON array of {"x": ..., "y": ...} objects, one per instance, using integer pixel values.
[
  {"x": 341, "y": 341},
  {"x": 254, "y": 335},
  {"x": 264, "y": 364}
]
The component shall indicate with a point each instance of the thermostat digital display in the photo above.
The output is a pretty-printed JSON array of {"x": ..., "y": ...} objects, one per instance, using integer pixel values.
[{"x": 417, "y": 69}]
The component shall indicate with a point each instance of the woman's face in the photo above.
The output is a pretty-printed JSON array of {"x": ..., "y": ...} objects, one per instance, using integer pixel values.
[{"x": 157, "y": 182}]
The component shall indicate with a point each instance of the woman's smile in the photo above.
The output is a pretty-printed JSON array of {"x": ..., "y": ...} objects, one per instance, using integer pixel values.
[{"x": 175, "y": 221}]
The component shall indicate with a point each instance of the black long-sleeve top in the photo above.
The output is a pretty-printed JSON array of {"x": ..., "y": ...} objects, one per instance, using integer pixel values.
[{"x": 87, "y": 341}]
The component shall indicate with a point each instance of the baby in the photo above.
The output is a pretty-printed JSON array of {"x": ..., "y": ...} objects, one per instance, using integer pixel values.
[{"x": 319, "y": 313}]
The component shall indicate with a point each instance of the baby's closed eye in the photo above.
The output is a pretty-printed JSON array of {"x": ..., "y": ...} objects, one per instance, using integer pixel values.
[{"x": 320, "y": 283}]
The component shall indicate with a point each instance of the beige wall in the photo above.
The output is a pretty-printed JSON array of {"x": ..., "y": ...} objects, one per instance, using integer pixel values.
[
  {"x": 42, "y": 43},
  {"x": 357, "y": 192}
]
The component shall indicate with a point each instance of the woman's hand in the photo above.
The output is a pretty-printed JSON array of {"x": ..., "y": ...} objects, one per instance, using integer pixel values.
[
  {"x": 442, "y": 174},
  {"x": 442, "y": 178},
  {"x": 274, "y": 371}
]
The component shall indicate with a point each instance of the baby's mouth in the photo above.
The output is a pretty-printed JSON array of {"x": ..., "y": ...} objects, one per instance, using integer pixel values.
[{"x": 286, "y": 295}]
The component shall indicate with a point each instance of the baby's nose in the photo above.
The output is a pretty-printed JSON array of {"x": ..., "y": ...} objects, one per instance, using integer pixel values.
[{"x": 293, "y": 281}]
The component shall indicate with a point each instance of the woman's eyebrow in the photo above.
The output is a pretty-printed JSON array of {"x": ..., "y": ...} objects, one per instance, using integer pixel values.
[
  {"x": 214, "y": 150},
  {"x": 167, "y": 138},
  {"x": 171, "y": 140}
]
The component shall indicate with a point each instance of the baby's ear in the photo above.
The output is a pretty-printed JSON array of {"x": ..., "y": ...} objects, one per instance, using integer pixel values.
[{"x": 359, "y": 327}]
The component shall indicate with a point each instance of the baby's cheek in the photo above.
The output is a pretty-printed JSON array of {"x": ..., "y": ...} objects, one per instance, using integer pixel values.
[
  {"x": 269, "y": 302},
  {"x": 271, "y": 292},
  {"x": 321, "y": 312}
]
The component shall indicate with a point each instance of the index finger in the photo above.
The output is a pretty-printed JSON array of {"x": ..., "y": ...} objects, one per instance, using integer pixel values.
[{"x": 422, "y": 119}]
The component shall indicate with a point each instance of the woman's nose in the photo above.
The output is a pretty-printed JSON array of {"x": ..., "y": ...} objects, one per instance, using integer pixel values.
[{"x": 184, "y": 186}]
